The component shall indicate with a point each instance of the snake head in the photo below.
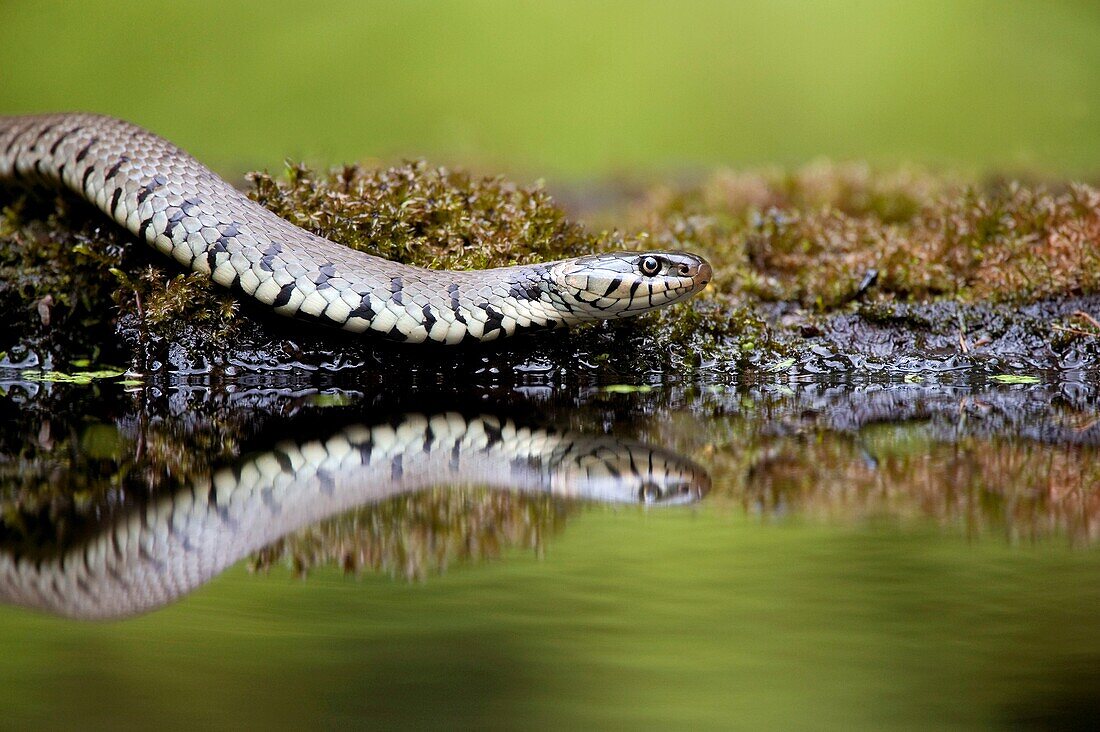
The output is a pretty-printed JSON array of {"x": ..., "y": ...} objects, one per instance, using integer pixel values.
[
  {"x": 622, "y": 284},
  {"x": 628, "y": 472}
]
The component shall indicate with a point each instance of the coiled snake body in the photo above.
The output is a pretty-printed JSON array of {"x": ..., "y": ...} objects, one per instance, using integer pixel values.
[{"x": 180, "y": 207}]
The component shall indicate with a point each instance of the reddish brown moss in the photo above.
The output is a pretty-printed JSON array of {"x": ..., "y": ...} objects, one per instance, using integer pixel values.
[{"x": 813, "y": 236}]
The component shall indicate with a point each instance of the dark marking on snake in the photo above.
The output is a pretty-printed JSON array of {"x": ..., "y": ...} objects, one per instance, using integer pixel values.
[
  {"x": 494, "y": 434},
  {"x": 456, "y": 304},
  {"x": 11, "y": 143},
  {"x": 174, "y": 219},
  {"x": 325, "y": 273},
  {"x": 364, "y": 311},
  {"x": 147, "y": 189},
  {"x": 284, "y": 295},
  {"x": 285, "y": 464},
  {"x": 114, "y": 168},
  {"x": 84, "y": 153},
  {"x": 42, "y": 133},
  {"x": 494, "y": 320},
  {"x": 273, "y": 250},
  {"x": 527, "y": 291},
  {"x": 64, "y": 135}
]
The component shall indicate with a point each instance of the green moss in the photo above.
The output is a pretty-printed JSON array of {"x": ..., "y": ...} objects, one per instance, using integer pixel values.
[
  {"x": 427, "y": 216},
  {"x": 55, "y": 270},
  {"x": 816, "y": 236}
]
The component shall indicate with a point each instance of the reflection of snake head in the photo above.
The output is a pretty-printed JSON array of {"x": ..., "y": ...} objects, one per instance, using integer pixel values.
[
  {"x": 621, "y": 284},
  {"x": 636, "y": 473}
]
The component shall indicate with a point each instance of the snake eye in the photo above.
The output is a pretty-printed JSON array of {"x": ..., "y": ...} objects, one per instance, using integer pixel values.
[
  {"x": 650, "y": 266},
  {"x": 649, "y": 493}
]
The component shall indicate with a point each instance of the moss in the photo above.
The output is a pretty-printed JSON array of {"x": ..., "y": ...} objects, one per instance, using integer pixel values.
[
  {"x": 427, "y": 216},
  {"x": 55, "y": 271},
  {"x": 822, "y": 237},
  {"x": 816, "y": 235}
]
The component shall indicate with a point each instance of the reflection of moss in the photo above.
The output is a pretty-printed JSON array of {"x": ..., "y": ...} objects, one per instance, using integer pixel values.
[
  {"x": 1019, "y": 488},
  {"x": 74, "y": 471},
  {"x": 419, "y": 535}
]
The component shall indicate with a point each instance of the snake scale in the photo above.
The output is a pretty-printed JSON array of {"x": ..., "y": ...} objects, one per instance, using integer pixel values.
[
  {"x": 169, "y": 200},
  {"x": 140, "y": 559}
]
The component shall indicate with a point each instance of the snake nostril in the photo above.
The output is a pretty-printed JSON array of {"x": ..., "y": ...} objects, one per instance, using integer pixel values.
[{"x": 685, "y": 270}]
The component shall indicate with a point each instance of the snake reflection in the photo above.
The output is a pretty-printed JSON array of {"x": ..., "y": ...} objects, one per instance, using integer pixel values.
[{"x": 155, "y": 554}]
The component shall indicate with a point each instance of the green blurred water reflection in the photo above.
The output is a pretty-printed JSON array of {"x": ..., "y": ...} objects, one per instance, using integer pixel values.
[{"x": 683, "y": 618}]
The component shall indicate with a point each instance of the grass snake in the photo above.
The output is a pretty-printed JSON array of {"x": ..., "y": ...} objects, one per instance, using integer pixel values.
[{"x": 183, "y": 209}]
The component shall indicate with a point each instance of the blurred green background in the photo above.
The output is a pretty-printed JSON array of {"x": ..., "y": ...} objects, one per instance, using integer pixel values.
[{"x": 575, "y": 88}]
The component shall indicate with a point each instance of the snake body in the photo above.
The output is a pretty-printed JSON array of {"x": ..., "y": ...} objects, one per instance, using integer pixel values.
[
  {"x": 148, "y": 556},
  {"x": 169, "y": 200}
]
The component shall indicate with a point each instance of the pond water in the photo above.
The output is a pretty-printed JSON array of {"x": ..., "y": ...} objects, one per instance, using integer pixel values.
[{"x": 503, "y": 549}]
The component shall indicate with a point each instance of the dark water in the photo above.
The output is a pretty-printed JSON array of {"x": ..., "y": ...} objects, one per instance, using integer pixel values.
[{"x": 516, "y": 550}]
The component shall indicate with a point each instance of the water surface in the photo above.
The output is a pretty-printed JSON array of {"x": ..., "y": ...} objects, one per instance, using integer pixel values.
[{"x": 820, "y": 554}]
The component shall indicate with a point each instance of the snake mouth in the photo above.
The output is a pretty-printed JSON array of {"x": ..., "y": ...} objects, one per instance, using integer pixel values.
[{"x": 685, "y": 265}]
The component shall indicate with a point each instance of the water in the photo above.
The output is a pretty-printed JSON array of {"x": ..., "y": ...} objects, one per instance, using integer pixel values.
[{"x": 820, "y": 554}]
